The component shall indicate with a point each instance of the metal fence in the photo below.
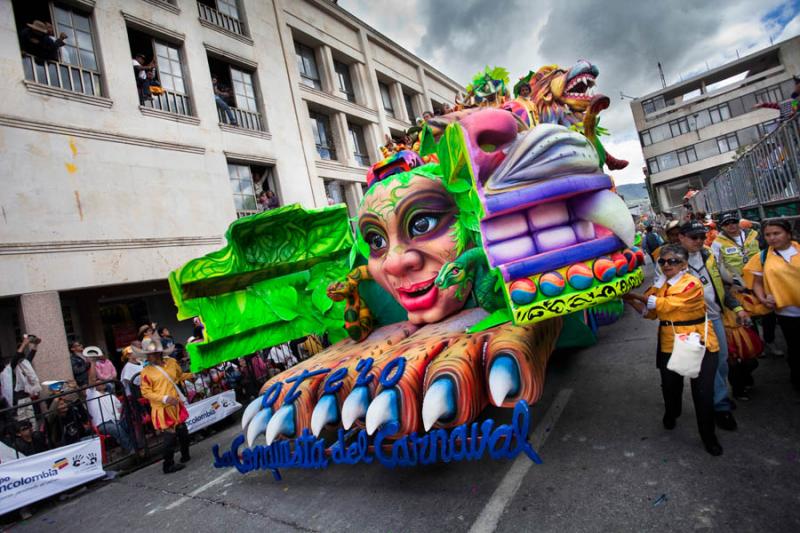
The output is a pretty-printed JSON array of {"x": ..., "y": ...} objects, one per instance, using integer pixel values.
[
  {"x": 61, "y": 75},
  {"x": 762, "y": 182}
]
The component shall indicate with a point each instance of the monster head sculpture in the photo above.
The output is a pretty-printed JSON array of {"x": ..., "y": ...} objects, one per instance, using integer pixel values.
[{"x": 562, "y": 95}]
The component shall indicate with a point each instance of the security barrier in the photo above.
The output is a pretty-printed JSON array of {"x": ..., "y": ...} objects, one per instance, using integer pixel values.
[{"x": 763, "y": 182}]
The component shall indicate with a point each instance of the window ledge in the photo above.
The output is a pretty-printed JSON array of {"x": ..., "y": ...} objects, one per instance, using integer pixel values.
[
  {"x": 333, "y": 164},
  {"x": 220, "y": 29},
  {"x": 47, "y": 90},
  {"x": 164, "y": 5},
  {"x": 341, "y": 101},
  {"x": 243, "y": 131},
  {"x": 166, "y": 115}
]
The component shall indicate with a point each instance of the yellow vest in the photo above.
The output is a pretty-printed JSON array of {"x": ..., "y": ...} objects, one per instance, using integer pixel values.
[{"x": 735, "y": 257}]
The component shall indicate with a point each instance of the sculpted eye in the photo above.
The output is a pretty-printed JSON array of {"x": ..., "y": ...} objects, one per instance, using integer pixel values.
[
  {"x": 375, "y": 240},
  {"x": 422, "y": 224}
]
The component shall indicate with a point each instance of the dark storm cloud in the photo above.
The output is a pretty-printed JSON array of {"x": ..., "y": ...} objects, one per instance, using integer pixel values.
[
  {"x": 469, "y": 33},
  {"x": 627, "y": 39}
]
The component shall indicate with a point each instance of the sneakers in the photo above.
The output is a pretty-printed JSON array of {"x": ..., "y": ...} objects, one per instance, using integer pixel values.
[
  {"x": 668, "y": 421},
  {"x": 725, "y": 420},
  {"x": 185, "y": 458},
  {"x": 773, "y": 350},
  {"x": 169, "y": 469}
]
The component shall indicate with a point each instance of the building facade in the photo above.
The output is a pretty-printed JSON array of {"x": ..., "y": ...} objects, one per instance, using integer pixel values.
[
  {"x": 690, "y": 130},
  {"x": 107, "y": 188}
]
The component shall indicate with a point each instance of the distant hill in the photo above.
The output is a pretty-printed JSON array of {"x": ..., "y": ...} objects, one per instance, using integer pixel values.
[{"x": 632, "y": 191}]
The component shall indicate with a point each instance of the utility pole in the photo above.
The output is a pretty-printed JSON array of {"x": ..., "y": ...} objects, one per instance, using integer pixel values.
[{"x": 661, "y": 73}]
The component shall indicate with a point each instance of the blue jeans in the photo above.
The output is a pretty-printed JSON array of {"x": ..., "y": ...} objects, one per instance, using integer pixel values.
[
  {"x": 721, "y": 400},
  {"x": 222, "y": 104},
  {"x": 115, "y": 430}
]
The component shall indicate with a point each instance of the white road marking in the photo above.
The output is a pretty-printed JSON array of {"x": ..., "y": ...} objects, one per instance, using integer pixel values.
[
  {"x": 200, "y": 489},
  {"x": 490, "y": 515}
]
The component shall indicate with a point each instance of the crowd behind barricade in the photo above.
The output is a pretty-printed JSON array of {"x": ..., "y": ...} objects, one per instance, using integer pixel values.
[
  {"x": 725, "y": 285},
  {"x": 118, "y": 402}
]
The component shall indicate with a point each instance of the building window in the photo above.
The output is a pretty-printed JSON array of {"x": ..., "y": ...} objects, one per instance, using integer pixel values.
[
  {"x": 244, "y": 194},
  {"x": 727, "y": 143},
  {"x": 652, "y": 165},
  {"x": 222, "y": 13},
  {"x": 163, "y": 87},
  {"x": 386, "y": 98},
  {"x": 323, "y": 139},
  {"x": 770, "y": 94},
  {"x": 408, "y": 100},
  {"x": 307, "y": 65},
  {"x": 667, "y": 161},
  {"x": 344, "y": 81},
  {"x": 70, "y": 63},
  {"x": 359, "y": 145},
  {"x": 687, "y": 155},
  {"x": 679, "y": 127},
  {"x": 655, "y": 104},
  {"x": 719, "y": 113},
  {"x": 235, "y": 95},
  {"x": 646, "y": 141}
]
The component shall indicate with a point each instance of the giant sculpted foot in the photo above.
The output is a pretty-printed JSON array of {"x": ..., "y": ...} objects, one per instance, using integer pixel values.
[{"x": 420, "y": 378}]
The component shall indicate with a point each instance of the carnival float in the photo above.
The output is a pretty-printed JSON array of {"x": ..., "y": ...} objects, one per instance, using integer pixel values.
[{"x": 483, "y": 243}]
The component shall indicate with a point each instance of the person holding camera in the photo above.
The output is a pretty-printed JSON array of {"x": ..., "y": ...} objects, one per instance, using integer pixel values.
[{"x": 26, "y": 383}]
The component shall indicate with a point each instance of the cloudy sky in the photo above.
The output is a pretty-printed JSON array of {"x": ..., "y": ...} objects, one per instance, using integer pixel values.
[{"x": 624, "y": 38}]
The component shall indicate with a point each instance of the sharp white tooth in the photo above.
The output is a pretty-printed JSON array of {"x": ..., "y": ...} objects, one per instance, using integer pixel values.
[
  {"x": 250, "y": 411},
  {"x": 354, "y": 406},
  {"x": 609, "y": 210},
  {"x": 281, "y": 424},
  {"x": 325, "y": 412},
  {"x": 439, "y": 402},
  {"x": 257, "y": 425},
  {"x": 501, "y": 382},
  {"x": 382, "y": 409}
]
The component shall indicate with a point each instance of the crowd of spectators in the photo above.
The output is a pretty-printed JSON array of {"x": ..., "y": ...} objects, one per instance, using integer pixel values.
[
  {"x": 741, "y": 279},
  {"x": 104, "y": 398}
]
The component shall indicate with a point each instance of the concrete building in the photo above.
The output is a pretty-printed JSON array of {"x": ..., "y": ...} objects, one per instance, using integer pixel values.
[
  {"x": 689, "y": 130},
  {"x": 105, "y": 191}
]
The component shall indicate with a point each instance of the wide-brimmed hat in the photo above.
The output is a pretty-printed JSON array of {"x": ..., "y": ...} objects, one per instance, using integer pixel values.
[
  {"x": 92, "y": 351},
  {"x": 671, "y": 225},
  {"x": 38, "y": 25},
  {"x": 151, "y": 346},
  {"x": 144, "y": 328}
]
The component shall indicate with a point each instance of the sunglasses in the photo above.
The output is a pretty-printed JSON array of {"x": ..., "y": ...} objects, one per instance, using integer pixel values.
[
  {"x": 700, "y": 237},
  {"x": 671, "y": 261}
]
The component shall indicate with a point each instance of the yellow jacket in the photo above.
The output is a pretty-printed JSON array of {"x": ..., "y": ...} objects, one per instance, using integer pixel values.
[
  {"x": 681, "y": 302},
  {"x": 781, "y": 279},
  {"x": 155, "y": 387}
]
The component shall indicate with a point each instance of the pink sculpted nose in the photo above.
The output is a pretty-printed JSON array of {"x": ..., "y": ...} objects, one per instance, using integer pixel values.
[{"x": 487, "y": 133}]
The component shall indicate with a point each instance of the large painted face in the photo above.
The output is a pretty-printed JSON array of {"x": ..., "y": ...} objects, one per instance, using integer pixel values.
[{"x": 407, "y": 224}]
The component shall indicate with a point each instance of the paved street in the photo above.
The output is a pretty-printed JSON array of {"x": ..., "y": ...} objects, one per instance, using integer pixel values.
[{"x": 608, "y": 466}]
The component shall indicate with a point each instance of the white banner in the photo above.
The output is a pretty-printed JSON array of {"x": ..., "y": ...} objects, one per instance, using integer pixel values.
[
  {"x": 211, "y": 410},
  {"x": 33, "y": 478}
]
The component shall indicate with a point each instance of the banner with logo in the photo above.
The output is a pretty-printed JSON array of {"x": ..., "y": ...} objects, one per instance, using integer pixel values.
[
  {"x": 211, "y": 410},
  {"x": 36, "y": 477}
]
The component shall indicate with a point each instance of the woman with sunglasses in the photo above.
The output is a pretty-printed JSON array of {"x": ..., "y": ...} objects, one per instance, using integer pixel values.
[
  {"x": 676, "y": 300},
  {"x": 776, "y": 283}
]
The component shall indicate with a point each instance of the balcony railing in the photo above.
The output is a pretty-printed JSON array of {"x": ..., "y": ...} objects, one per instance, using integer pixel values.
[
  {"x": 61, "y": 75},
  {"x": 171, "y": 102},
  {"x": 216, "y": 18},
  {"x": 362, "y": 159},
  {"x": 249, "y": 120},
  {"x": 767, "y": 173},
  {"x": 326, "y": 152}
]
